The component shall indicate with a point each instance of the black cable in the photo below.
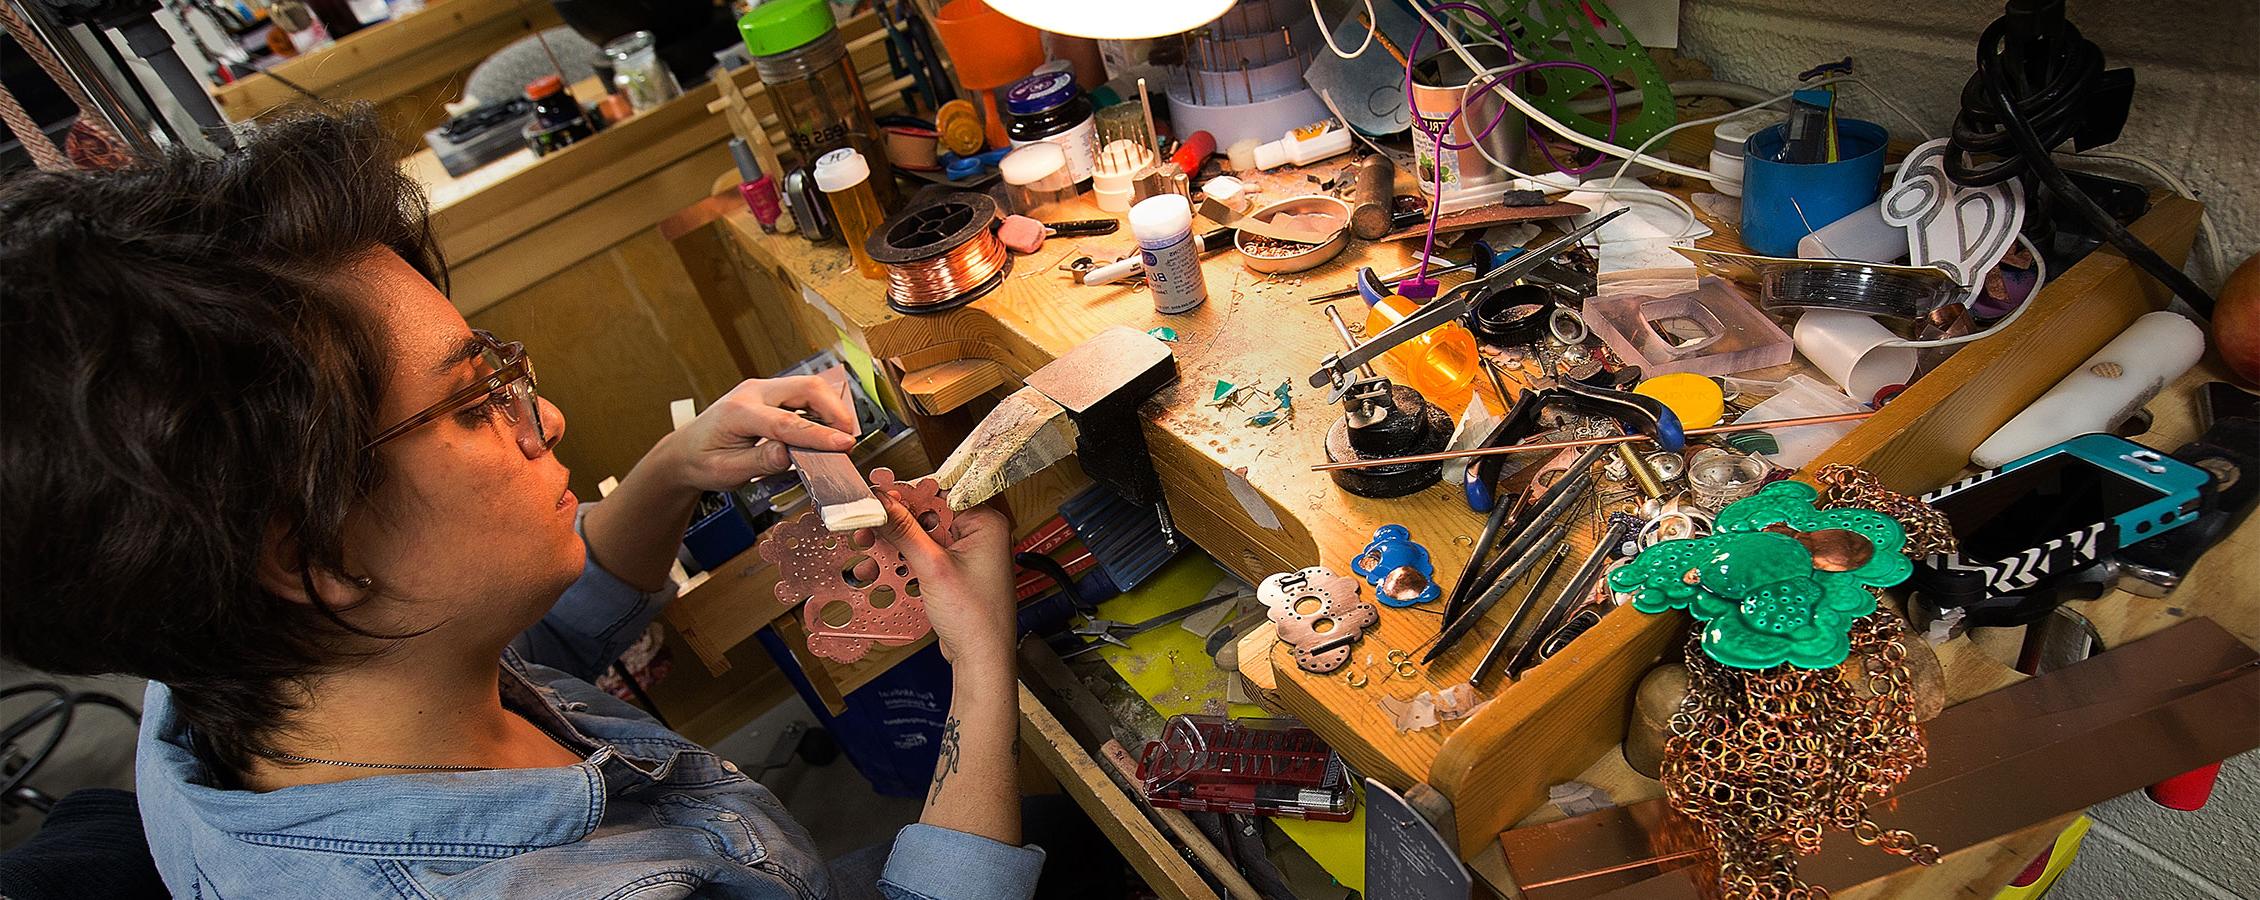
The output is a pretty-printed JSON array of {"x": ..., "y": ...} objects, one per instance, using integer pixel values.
[
  {"x": 2032, "y": 94},
  {"x": 62, "y": 708}
]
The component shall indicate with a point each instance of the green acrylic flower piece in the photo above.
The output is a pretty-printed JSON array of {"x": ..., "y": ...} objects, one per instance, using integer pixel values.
[{"x": 1756, "y": 585}]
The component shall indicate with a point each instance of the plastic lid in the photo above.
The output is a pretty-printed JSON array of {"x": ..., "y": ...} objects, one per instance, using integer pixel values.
[
  {"x": 1036, "y": 93},
  {"x": 783, "y": 25},
  {"x": 1161, "y": 217},
  {"x": 630, "y": 44},
  {"x": 841, "y": 169},
  {"x": 544, "y": 86},
  {"x": 1030, "y": 163}
]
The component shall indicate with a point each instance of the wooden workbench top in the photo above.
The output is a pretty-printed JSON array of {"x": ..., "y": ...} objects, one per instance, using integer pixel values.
[
  {"x": 1247, "y": 496},
  {"x": 1245, "y": 493}
]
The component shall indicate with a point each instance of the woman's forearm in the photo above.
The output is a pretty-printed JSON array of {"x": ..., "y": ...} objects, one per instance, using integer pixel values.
[
  {"x": 634, "y": 532},
  {"x": 976, "y": 786}
]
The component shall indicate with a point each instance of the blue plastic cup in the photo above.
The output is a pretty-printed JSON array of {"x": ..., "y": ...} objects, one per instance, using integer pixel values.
[{"x": 1783, "y": 202}]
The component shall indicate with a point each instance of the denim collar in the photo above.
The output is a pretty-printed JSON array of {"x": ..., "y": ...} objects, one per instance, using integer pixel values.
[{"x": 478, "y": 813}]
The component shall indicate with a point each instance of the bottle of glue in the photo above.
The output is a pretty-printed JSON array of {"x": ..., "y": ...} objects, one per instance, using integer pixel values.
[
  {"x": 1303, "y": 146},
  {"x": 1163, "y": 224}
]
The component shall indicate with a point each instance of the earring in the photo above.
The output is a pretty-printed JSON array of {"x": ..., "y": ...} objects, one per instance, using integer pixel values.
[{"x": 361, "y": 581}]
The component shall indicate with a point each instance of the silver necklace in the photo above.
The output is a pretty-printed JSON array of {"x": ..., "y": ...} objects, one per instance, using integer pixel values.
[{"x": 286, "y": 757}]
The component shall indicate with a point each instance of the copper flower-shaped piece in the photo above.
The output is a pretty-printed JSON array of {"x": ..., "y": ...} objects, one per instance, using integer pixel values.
[{"x": 1778, "y": 581}]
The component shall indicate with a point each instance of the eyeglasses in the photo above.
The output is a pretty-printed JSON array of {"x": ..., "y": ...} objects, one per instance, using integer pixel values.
[{"x": 506, "y": 389}]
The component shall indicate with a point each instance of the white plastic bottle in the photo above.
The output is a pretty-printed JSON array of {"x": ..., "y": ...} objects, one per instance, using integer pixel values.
[
  {"x": 1303, "y": 146},
  {"x": 1163, "y": 225}
]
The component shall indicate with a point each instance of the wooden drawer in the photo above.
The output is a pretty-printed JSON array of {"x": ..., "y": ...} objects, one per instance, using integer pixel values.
[{"x": 1563, "y": 715}]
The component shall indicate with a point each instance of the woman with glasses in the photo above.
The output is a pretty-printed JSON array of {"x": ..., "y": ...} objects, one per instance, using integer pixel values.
[{"x": 252, "y": 453}]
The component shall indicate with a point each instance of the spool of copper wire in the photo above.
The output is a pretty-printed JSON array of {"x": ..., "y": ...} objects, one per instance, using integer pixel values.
[{"x": 941, "y": 255}]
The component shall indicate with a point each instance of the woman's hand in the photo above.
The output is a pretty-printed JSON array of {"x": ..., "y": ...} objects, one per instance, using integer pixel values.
[
  {"x": 967, "y": 586},
  {"x": 743, "y": 435}
]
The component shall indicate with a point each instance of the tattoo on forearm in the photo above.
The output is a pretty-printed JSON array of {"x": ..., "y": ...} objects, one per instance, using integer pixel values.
[{"x": 948, "y": 762}]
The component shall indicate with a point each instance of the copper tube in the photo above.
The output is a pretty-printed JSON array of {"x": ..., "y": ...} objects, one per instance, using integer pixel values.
[{"x": 1589, "y": 442}]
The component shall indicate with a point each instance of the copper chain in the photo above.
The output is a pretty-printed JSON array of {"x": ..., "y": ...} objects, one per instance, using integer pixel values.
[{"x": 1766, "y": 762}]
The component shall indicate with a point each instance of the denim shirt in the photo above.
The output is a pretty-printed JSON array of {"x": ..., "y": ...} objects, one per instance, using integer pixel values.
[{"x": 646, "y": 814}]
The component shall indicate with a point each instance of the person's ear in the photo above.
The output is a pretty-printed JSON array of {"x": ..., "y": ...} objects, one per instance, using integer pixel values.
[{"x": 283, "y": 572}]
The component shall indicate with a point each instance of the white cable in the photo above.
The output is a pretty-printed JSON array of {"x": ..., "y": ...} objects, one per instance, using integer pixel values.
[
  {"x": 1580, "y": 138},
  {"x": 2039, "y": 280},
  {"x": 1571, "y": 134},
  {"x": 1372, "y": 27}
]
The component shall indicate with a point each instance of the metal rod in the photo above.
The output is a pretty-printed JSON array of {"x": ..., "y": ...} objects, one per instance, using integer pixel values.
[
  {"x": 1522, "y": 611},
  {"x": 1146, "y": 103},
  {"x": 1592, "y": 442},
  {"x": 1348, "y": 340},
  {"x": 1393, "y": 279}
]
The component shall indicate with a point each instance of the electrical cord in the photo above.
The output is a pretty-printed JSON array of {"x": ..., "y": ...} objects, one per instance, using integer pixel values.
[
  {"x": 61, "y": 707},
  {"x": 1372, "y": 27},
  {"x": 2034, "y": 94},
  {"x": 2218, "y": 262}
]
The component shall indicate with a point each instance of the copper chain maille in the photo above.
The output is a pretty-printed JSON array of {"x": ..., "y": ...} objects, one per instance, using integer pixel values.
[{"x": 1766, "y": 762}]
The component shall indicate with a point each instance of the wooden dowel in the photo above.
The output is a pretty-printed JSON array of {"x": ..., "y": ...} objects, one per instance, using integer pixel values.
[{"x": 1589, "y": 442}]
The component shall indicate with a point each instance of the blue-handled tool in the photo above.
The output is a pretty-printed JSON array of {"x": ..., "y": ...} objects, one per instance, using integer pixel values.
[{"x": 1639, "y": 413}]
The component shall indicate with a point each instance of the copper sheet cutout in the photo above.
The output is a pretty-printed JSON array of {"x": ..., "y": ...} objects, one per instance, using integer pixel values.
[{"x": 853, "y": 589}]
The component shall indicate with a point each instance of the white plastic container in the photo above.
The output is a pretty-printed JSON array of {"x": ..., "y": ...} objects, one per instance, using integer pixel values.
[
  {"x": 1163, "y": 225},
  {"x": 1851, "y": 350},
  {"x": 1303, "y": 146}
]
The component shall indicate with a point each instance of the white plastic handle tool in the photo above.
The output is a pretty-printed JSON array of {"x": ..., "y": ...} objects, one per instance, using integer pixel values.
[
  {"x": 1114, "y": 271},
  {"x": 2103, "y": 391}
]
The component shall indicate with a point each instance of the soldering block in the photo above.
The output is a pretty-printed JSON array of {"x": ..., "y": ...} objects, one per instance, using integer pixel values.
[{"x": 1021, "y": 234}]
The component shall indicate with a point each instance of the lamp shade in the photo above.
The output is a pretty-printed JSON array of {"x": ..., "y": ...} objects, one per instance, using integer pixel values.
[{"x": 1113, "y": 21}]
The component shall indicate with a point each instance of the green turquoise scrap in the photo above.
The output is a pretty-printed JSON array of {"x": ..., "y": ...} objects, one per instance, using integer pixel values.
[
  {"x": 1760, "y": 599},
  {"x": 1285, "y": 394},
  {"x": 1163, "y": 332},
  {"x": 1223, "y": 390}
]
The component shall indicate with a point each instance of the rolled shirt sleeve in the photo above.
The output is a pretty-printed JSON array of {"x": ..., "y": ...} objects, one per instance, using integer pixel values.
[
  {"x": 593, "y": 622},
  {"x": 931, "y": 863}
]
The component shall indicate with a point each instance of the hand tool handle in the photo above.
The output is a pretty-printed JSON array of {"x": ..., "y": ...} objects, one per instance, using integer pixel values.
[
  {"x": 1522, "y": 610},
  {"x": 1451, "y": 306},
  {"x": 1544, "y": 509},
  {"x": 1515, "y": 560},
  {"x": 1587, "y": 573}
]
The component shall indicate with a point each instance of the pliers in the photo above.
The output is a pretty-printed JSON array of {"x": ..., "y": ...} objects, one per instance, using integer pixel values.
[{"x": 1638, "y": 412}]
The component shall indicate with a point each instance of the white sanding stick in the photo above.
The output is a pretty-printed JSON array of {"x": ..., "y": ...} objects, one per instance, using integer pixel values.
[{"x": 2103, "y": 391}]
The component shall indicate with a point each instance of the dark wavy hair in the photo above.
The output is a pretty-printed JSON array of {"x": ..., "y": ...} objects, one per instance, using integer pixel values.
[{"x": 179, "y": 375}]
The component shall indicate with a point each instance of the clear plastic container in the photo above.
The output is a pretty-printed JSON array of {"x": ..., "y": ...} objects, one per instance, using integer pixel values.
[
  {"x": 1668, "y": 322},
  {"x": 638, "y": 72},
  {"x": 845, "y": 178},
  {"x": 800, "y": 57},
  {"x": 1441, "y": 364}
]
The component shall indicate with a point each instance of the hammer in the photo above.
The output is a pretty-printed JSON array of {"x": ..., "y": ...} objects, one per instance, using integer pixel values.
[{"x": 1085, "y": 402}]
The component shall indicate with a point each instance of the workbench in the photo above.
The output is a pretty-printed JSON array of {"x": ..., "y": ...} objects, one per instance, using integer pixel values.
[{"x": 1246, "y": 494}]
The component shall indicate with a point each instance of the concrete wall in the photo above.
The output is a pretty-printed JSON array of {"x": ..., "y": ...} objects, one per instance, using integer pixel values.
[{"x": 2196, "y": 62}]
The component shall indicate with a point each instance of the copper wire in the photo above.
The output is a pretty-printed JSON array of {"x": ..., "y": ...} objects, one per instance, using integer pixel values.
[{"x": 949, "y": 276}]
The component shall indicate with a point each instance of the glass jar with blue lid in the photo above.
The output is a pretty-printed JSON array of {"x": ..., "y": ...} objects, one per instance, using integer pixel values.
[{"x": 1048, "y": 107}]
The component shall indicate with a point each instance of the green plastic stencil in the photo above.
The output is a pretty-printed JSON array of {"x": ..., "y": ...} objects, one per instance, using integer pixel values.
[
  {"x": 1564, "y": 30},
  {"x": 1762, "y": 600}
]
